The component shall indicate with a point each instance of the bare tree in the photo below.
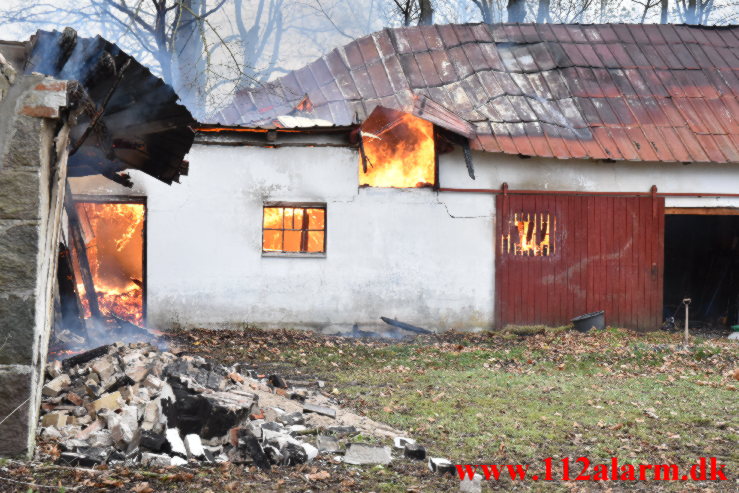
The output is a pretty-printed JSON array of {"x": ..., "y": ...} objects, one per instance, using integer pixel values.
[
  {"x": 168, "y": 35},
  {"x": 516, "y": 10},
  {"x": 542, "y": 12},
  {"x": 489, "y": 10},
  {"x": 261, "y": 37}
]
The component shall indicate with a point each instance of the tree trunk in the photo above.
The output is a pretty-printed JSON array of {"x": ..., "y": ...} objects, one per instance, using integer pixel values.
[
  {"x": 516, "y": 10},
  {"x": 690, "y": 13},
  {"x": 426, "y": 17},
  {"x": 664, "y": 7},
  {"x": 542, "y": 15},
  {"x": 188, "y": 62}
]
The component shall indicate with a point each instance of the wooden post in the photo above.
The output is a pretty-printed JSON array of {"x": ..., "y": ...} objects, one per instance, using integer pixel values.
[
  {"x": 78, "y": 241},
  {"x": 686, "y": 335}
]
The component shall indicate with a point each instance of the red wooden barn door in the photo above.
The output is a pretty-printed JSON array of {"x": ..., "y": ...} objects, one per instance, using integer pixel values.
[{"x": 559, "y": 256}]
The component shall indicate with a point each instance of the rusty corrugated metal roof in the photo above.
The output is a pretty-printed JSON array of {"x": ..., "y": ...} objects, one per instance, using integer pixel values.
[
  {"x": 142, "y": 126},
  {"x": 613, "y": 91}
]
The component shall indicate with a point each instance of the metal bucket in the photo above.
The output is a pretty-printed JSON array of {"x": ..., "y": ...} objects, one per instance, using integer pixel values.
[{"x": 595, "y": 320}]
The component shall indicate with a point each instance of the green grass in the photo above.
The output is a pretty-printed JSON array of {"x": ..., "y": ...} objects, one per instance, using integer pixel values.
[{"x": 509, "y": 401}]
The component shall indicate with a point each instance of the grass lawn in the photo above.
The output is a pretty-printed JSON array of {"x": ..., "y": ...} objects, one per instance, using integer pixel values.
[{"x": 503, "y": 398}]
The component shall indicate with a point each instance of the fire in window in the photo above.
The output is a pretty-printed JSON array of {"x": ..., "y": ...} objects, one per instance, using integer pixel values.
[
  {"x": 397, "y": 151},
  {"x": 294, "y": 229},
  {"x": 530, "y": 234}
]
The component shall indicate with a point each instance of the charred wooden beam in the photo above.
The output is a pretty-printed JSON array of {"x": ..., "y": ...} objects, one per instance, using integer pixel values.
[
  {"x": 96, "y": 119},
  {"x": 81, "y": 358},
  {"x": 69, "y": 298},
  {"x": 78, "y": 241},
  {"x": 468, "y": 158},
  {"x": 405, "y": 326}
]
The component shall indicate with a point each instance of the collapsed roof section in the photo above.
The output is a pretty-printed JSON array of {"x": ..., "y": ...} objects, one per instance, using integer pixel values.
[
  {"x": 128, "y": 118},
  {"x": 613, "y": 91}
]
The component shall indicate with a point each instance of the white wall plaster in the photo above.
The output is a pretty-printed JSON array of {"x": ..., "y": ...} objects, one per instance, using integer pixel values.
[{"x": 420, "y": 256}]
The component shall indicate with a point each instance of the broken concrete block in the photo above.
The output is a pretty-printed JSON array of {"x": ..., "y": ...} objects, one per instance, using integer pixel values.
[
  {"x": 273, "y": 413},
  {"x": 250, "y": 446},
  {"x": 193, "y": 446},
  {"x": 152, "y": 415},
  {"x": 155, "y": 460},
  {"x": 295, "y": 418},
  {"x": 93, "y": 389},
  {"x": 226, "y": 410},
  {"x": 110, "y": 401},
  {"x": 51, "y": 433},
  {"x": 152, "y": 441},
  {"x": 364, "y": 453},
  {"x": 273, "y": 454},
  {"x": 272, "y": 426},
  {"x": 54, "y": 387},
  {"x": 414, "y": 451},
  {"x": 101, "y": 438},
  {"x": 76, "y": 459},
  {"x": 311, "y": 452},
  {"x": 315, "y": 408},
  {"x": 277, "y": 381},
  {"x": 57, "y": 420},
  {"x": 399, "y": 442},
  {"x": 121, "y": 433},
  {"x": 342, "y": 430},
  {"x": 130, "y": 416},
  {"x": 54, "y": 368},
  {"x": 95, "y": 426},
  {"x": 441, "y": 466},
  {"x": 104, "y": 367},
  {"x": 328, "y": 444},
  {"x": 74, "y": 398},
  {"x": 176, "y": 445},
  {"x": 152, "y": 383},
  {"x": 296, "y": 430},
  {"x": 137, "y": 372},
  {"x": 178, "y": 461},
  {"x": 293, "y": 454},
  {"x": 473, "y": 485}
]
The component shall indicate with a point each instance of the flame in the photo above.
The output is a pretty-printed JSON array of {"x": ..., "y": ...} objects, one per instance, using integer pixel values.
[
  {"x": 399, "y": 149},
  {"x": 535, "y": 235},
  {"x": 294, "y": 229},
  {"x": 115, "y": 246}
]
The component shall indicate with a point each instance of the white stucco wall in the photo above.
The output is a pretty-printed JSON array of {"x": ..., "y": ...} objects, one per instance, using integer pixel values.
[{"x": 420, "y": 256}]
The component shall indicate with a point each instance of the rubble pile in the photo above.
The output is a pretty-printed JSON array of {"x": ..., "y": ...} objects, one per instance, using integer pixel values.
[{"x": 133, "y": 404}]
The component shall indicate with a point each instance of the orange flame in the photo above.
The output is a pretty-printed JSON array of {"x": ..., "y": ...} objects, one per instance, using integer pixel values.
[
  {"x": 535, "y": 235},
  {"x": 294, "y": 229},
  {"x": 114, "y": 241},
  {"x": 399, "y": 149}
]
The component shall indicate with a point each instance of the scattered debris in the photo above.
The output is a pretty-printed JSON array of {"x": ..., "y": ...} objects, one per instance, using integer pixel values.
[
  {"x": 441, "y": 466},
  {"x": 133, "y": 404},
  {"x": 364, "y": 453},
  {"x": 414, "y": 451},
  {"x": 314, "y": 408},
  {"x": 473, "y": 485}
]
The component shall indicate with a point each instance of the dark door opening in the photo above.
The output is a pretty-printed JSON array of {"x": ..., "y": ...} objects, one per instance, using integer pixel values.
[
  {"x": 114, "y": 234},
  {"x": 702, "y": 263}
]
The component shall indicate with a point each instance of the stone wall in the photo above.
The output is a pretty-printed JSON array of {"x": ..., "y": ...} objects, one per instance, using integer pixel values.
[{"x": 33, "y": 143}]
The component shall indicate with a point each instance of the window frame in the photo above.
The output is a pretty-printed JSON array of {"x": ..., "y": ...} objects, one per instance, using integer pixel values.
[{"x": 297, "y": 205}]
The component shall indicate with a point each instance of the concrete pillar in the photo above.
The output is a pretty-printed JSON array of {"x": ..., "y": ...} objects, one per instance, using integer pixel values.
[{"x": 33, "y": 167}]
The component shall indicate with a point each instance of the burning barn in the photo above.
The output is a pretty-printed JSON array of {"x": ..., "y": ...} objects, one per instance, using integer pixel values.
[
  {"x": 72, "y": 107},
  {"x": 460, "y": 176}
]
